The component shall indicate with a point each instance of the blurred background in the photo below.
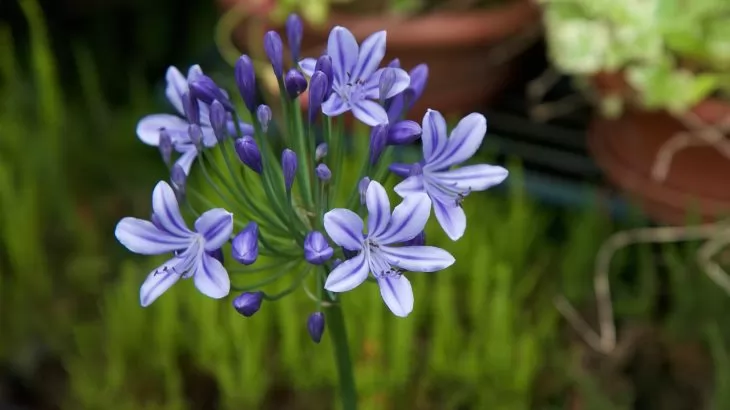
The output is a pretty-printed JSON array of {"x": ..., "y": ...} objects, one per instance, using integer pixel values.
[{"x": 592, "y": 279}]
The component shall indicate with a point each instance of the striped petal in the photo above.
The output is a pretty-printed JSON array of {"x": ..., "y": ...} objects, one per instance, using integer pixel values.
[
  {"x": 397, "y": 294},
  {"x": 144, "y": 238},
  {"x": 370, "y": 54},
  {"x": 345, "y": 228},
  {"x": 211, "y": 278},
  {"x": 167, "y": 210},
  {"x": 348, "y": 275},
  {"x": 157, "y": 283},
  {"x": 378, "y": 204},
  {"x": 465, "y": 140},
  {"x": 408, "y": 219},
  {"x": 418, "y": 258},
  {"x": 450, "y": 216},
  {"x": 216, "y": 226}
]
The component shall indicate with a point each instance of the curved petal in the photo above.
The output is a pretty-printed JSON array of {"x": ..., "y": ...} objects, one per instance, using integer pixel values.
[
  {"x": 167, "y": 210},
  {"x": 144, "y": 238},
  {"x": 149, "y": 127},
  {"x": 211, "y": 278},
  {"x": 343, "y": 49},
  {"x": 378, "y": 204},
  {"x": 186, "y": 159},
  {"x": 369, "y": 112},
  {"x": 307, "y": 66},
  {"x": 372, "y": 85},
  {"x": 194, "y": 71},
  {"x": 345, "y": 228},
  {"x": 433, "y": 135},
  {"x": 348, "y": 275},
  {"x": 216, "y": 226},
  {"x": 408, "y": 220},
  {"x": 335, "y": 106},
  {"x": 176, "y": 86},
  {"x": 418, "y": 258},
  {"x": 472, "y": 177},
  {"x": 397, "y": 294},
  {"x": 371, "y": 53},
  {"x": 451, "y": 217},
  {"x": 410, "y": 185},
  {"x": 465, "y": 140},
  {"x": 157, "y": 282}
]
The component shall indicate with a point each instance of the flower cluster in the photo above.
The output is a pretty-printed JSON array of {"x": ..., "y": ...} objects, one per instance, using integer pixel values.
[{"x": 278, "y": 190}]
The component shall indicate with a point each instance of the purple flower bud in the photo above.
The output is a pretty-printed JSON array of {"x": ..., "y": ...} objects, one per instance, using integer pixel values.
[
  {"x": 362, "y": 188},
  {"x": 165, "y": 146},
  {"x": 217, "y": 254},
  {"x": 403, "y": 132},
  {"x": 320, "y": 152},
  {"x": 378, "y": 141},
  {"x": 246, "y": 81},
  {"x": 206, "y": 90},
  {"x": 274, "y": 49},
  {"x": 418, "y": 240},
  {"x": 248, "y": 303},
  {"x": 323, "y": 172},
  {"x": 191, "y": 108},
  {"x": 294, "y": 34},
  {"x": 218, "y": 120},
  {"x": 289, "y": 166},
  {"x": 317, "y": 90},
  {"x": 324, "y": 64},
  {"x": 419, "y": 76},
  {"x": 245, "y": 245},
  {"x": 316, "y": 249},
  {"x": 294, "y": 83},
  {"x": 394, "y": 64},
  {"x": 315, "y": 326},
  {"x": 263, "y": 114},
  {"x": 178, "y": 178},
  {"x": 196, "y": 136},
  {"x": 386, "y": 83},
  {"x": 248, "y": 152}
]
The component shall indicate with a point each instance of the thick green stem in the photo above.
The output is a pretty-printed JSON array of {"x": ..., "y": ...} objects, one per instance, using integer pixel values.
[{"x": 338, "y": 334}]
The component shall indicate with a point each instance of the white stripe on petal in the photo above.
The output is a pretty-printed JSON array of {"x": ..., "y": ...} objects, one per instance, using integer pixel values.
[
  {"x": 157, "y": 282},
  {"x": 343, "y": 49},
  {"x": 433, "y": 135},
  {"x": 408, "y": 219},
  {"x": 369, "y": 112},
  {"x": 144, "y": 238},
  {"x": 465, "y": 140},
  {"x": 371, "y": 53},
  {"x": 418, "y": 258},
  {"x": 167, "y": 210},
  {"x": 148, "y": 128},
  {"x": 345, "y": 228},
  {"x": 307, "y": 66},
  {"x": 472, "y": 177},
  {"x": 397, "y": 294},
  {"x": 376, "y": 200},
  {"x": 348, "y": 275},
  {"x": 410, "y": 185},
  {"x": 211, "y": 278},
  {"x": 450, "y": 216},
  {"x": 216, "y": 226}
]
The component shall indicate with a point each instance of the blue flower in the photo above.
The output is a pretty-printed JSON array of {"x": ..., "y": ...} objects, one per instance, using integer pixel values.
[
  {"x": 357, "y": 77},
  {"x": 167, "y": 232},
  {"x": 148, "y": 128},
  {"x": 445, "y": 186},
  {"x": 374, "y": 251}
]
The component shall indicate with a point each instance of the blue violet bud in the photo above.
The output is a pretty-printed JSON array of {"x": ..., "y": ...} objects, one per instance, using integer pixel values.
[
  {"x": 319, "y": 152},
  {"x": 289, "y": 167},
  {"x": 246, "y": 81},
  {"x": 248, "y": 303},
  {"x": 196, "y": 136},
  {"x": 294, "y": 34},
  {"x": 274, "y": 49},
  {"x": 248, "y": 152},
  {"x": 317, "y": 89},
  {"x": 323, "y": 172},
  {"x": 191, "y": 109},
  {"x": 206, "y": 90},
  {"x": 218, "y": 120},
  {"x": 378, "y": 141},
  {"x": 165, "y": 146},
  {"x": 324, "y": 64},
  {"x": 362, "y": 188},
  {"x": 263, "y": 114},
  {"x": 403, "y": 132},
  {"x": 315, "y": 326},
  {"x": 316, "y": 249},
  {"x": 294, "y": 83},
  {"x": 245, "y": 245}
]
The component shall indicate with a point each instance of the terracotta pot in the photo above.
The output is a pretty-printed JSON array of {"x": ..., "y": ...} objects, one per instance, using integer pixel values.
[
  {"x": 470, "y": 55},
  {"x": 626, "y": 149}
]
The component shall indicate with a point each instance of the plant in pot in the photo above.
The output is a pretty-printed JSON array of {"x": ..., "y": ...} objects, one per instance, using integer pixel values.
[
  {"x": 658, "y": 69},
  {"x": 469, "y": 46}
]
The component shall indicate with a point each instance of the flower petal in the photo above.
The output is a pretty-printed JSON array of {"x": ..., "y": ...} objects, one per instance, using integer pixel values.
[
  {"x": 334, "y": 106},
  {"x": 144, "y": 238},
  {"x": 345, "y": 228},
  {"x": 307, "y": 66},
  {"x": 397, "y": 294},
  {"x": 418, "y": 258},
  {"x": 371, "y": 53},
  {"x": 464, "y": 141},
  {"x": 194, "y": 72},
  {"x": 167, "y": 210},
  {"x": 372, "y": 85},
  {"x": 343, "y": 49},
  {"x": 348, "y": 275},
  {"x": 410, "y": 185},
  {"x": 211, "y": 278},
  {"x": 378, "y": 204},
  {"x": 176, "y": 86},
  {"x": 433, "y": 135},
  {"x": 450, "y": 216},
  {"x": 369, "y": 112},
  {"x": 149, "y": 127},
  {"x": 472, "y": 177},
  {"x": 408, "y": 220},
  {"x": 157, "y": 282},
  {"x": 189, "y": 153},
  {"x": 216, "y": 227}
]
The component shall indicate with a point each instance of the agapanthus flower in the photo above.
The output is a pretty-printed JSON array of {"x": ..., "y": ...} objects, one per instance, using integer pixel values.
[
  {"x": 375, "y": 251},
  {"x": 192, "y": 249},
  {"x": 148, "y": 128},
  {"x": 448, "y": 187},
  {"x": 356, "y": 82}
]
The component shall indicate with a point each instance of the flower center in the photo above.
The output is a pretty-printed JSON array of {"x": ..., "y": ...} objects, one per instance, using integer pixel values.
[
  {"x": 351, "y": 91},
  {"x": 185, "y": 261},
  {"x": 379, "y": 265},
  {"x": 449, "y": 192}
]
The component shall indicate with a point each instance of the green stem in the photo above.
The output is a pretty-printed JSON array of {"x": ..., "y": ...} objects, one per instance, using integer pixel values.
[{"x": 338, "y": 334}]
